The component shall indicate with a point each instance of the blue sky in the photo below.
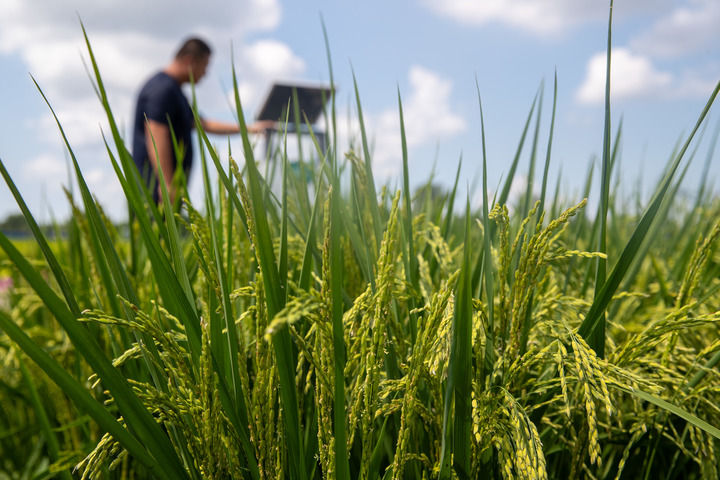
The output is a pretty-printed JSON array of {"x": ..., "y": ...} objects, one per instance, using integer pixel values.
[{"x": 666, "y": 63}]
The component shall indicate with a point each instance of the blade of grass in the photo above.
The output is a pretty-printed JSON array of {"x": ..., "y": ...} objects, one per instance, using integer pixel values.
[
  {"x": 54, "y": 265},
  {"x": 136, "y": 416},
  {"x": 274, "y": 297},
  {"x": 449, "y": 213},
  {"x": 172, "y": 232},
  {"x": 107, "y": 259},
  {"x": 332, "y": 155},
  {"x": 169, "y": 286},
  {"x": 357, "y": 231},
  {"x": 45, "y": 427},
  {"x": 461, "y": 358},
  {"x": 411, "y": 263},
  {"x": 487, "y": 256},
  {"x": 593, "y": 320},
  {"x": 505, "y": 193},
  {"x": 82, "y": 399},
  {"x": 533, "y": 155},
  {"x": 370, "y": 182},
  {"x": 675, "y": 410},
  {"x": 307, "y": 262},
  {"x": 283, "y": 264},
  {"x": 342, "y": 464},
  {"x": 463, "y": 297},
  {"x": 597, "y": 339},
  {"x": 541, "y": 209}
]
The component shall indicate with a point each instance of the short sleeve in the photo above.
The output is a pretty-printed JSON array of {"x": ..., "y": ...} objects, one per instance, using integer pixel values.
[{"x": 159, "y": 103}]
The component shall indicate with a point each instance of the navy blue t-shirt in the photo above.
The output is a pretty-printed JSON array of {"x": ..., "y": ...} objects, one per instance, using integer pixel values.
[{"x": 161, "y": 99}]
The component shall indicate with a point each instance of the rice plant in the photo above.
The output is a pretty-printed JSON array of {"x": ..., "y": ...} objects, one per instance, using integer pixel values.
[{"x": 350, "y": 331}]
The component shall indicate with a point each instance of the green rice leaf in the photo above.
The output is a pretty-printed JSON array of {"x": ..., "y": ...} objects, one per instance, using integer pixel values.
[
  {"x": 274, "y": 297},
  {"x": 675, "y": 410},
  {"x": 597, "y": 338},
  {"x": 41, "y": 412},
  {"x": 594, "y": 320},
  {"x": 136, "y": 416},
  {"x": 83, "y": 400}
]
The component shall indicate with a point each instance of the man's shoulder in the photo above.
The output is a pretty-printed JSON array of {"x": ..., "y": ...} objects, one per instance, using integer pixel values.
[{"x": 159, "y": 82}]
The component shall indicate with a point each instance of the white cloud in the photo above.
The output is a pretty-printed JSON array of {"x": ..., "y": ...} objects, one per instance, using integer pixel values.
[
  {"x": 270, "y": 58},
  {"x": 540, "y": 17},
  {"x": 632, "y": 76},
  {"x": 41, "y": 20},
  {"x": 429, "y": 104},
  {"x": 427, "y": 116},
  {"x": 684, "y": 30},
  {"x": 262, "y": 63},
  {"x": 45, "y": 167}
]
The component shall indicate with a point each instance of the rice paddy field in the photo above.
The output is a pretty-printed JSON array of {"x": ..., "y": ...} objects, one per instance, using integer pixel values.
[{"x": 346, "y": 330}]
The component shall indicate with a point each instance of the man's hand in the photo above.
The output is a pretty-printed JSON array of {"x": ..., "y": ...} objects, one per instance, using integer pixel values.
[
  {"x": 261, "y": 126},
  {"x": 225, "y": 128}
]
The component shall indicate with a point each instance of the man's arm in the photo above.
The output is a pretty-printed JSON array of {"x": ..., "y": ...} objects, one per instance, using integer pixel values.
[
  {"x": 225, "y": 128},
  {"x": 160, "y": 134}
]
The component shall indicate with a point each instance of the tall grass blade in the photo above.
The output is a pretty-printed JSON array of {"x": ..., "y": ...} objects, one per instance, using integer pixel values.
[
  {"x": 310, "y": 247},
  {"x": 411, "y": 263},
  {"x": 283, "y": 264},
  {"x": 172, "y": 232},
  {"x": 594, "y": 321},
  {"x": 42, "y": 415},
  {"x": 533, "y": 156},
  {"x": 505, "y": 192},
  {"x": 450, "y": 211},
  {"x": 54, "y": 265},
  {"x": 168, "y": 284},
  {"x": 275, "y": 301},
  {"x": 597, "y": 339},
  {"x": 342, "y": 464},
  {"x": 541, "y": 209},
  {"x": 675, "y": 410},
  {"x": 136, "y": 416},
  {"x": 333, "y": 116},
  {"x": 461, "y": 359},
  {"x": 487, "y": 256},
  {"x": 372, "y": 202},
  {"x": 85, "y": 402},
  {"x": 112, "y": 271}
]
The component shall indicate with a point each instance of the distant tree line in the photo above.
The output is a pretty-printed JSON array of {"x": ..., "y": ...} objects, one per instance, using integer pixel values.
[{"x": 14, "y": 225}]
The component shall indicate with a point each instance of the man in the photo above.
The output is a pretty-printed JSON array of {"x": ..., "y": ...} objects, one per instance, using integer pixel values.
[{"x": 162, "y": 110}]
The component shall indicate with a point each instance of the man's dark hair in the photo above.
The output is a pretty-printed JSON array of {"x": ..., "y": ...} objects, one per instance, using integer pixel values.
[{"x": 194, "y": 47}]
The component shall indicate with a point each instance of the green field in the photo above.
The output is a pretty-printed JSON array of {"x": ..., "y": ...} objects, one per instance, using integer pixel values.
[{"x": 346, "y": 330}]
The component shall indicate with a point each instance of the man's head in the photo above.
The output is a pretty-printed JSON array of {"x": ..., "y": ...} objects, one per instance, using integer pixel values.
[{"x": 193, "y": 56}]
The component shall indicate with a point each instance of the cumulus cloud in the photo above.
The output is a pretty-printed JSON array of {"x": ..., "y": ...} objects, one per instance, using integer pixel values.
[
  {"x": 45, "y": 167},
  {"x": 428, "y": 118},
  {"x": 683, "y": 31},
  {"x": 632, "y": 76},
  {"x": 539, "y": 17},
  {"x": 264, "y": 62},
  {"x": 636, "y": 71},
  {"x": 26, "y": 22}
]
